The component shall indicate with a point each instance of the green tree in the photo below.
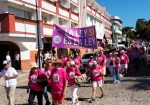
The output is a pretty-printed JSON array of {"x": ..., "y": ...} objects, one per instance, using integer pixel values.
[
  {"x": 129, "y": 32},
  {"x": 143, "y": 29}
]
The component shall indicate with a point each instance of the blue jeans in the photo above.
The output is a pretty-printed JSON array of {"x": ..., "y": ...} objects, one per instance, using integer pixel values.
[
  {"x": 46, "y": 96},
  {"x": 32, "y": 96},
  {"x": 116, "y": 75}
]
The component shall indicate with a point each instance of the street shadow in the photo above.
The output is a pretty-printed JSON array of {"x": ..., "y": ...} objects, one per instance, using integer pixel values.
[
  {"x": 108, "y": 81},
  {"x": 144, "y": 70},
  {"x": 80, "y": 99},
  {"x": 26, "y": 104},
  {"x": 141, "y": 85},
  {"x": 89, "y": 85},
  {"x": 21, "y": 87},
  {"x": 83, "y": 99},
  {"x": 68, "y": 99}
]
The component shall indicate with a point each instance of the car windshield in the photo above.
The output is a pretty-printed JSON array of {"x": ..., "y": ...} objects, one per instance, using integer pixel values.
[{"x": 87, "y": 56}]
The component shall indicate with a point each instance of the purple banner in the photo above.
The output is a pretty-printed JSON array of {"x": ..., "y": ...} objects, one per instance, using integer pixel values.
[{"x": 74, "y": 37}]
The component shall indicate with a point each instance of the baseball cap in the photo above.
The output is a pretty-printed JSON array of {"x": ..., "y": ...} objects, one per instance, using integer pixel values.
[{"x": 5, "y": 62}]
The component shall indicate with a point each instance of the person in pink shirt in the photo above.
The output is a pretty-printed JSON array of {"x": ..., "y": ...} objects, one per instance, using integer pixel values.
[
  {"x": 58, "y": 82},
  {"x": 63, "y": 59},
  {"x": 102, "y": 60},
  {"x": 124, "y": 60},
  {"x": 77, "y": 61},
  {"x": 116, "y": 68},
  {"x": 36, "y": 76},
  {"x": 89, "y": 68},
  {"x": 47, "y": 69},
  {"x": 90, "y": 63},
  {"x": 72, "y": 74},
  {"x": 97, "y": 80},
  {"x": 78, "y": 56},
  {"x": 68, "y": 61},
  {"x": 110, "y": 63}
]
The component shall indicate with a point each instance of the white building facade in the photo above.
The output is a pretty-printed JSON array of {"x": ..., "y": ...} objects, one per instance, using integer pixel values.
[
  {"x": 95, "y": 14},
  {"x": 117, "y": 30},
  {"x": 18, "y": 24}
]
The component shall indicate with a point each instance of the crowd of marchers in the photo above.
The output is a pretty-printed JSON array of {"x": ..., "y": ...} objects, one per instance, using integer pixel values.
[{"x": 58, "y": 74}]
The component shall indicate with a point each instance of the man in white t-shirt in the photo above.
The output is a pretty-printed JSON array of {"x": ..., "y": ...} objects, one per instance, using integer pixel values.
[{"x": 9, "y": 74}]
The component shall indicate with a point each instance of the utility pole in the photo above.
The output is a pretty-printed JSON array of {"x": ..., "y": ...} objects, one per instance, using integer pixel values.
[{"x": 38, "y": 37}]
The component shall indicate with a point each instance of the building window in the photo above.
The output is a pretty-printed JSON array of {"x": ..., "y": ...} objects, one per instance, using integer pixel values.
[
  {"x": 20, "y": 13},
  {"x": 45, "y": 19}
]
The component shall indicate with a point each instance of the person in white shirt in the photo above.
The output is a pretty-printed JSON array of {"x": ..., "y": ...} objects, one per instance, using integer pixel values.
[
  {"x": 8, "y": 58},
  {"x": 9, "y": 74}
]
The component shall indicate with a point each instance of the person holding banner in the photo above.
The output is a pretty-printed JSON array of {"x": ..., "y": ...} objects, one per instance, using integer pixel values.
[
  {"x": 77, "y": 61},
  {"x": 89, "y": 68},
  {"x": 97, "y": 80},
  {"x": 102, "y": 61}
]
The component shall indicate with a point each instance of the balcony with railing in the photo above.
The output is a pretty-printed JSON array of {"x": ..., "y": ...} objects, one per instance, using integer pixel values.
[
  {"x": 49, "y": 6},
  {"x": 25, "y": 27},
  {"x": 47, "y": 30},
  {"x": 75, "y": 16},
  {"x": 63, "y": 11},
  {"x": 76, "y": 2}
]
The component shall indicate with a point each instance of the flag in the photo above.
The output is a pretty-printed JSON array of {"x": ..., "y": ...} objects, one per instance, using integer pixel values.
[{"x": 106, "y": 42}]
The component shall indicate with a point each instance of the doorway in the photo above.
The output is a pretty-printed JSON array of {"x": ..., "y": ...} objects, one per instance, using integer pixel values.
[{"x": 13, "y": 49}]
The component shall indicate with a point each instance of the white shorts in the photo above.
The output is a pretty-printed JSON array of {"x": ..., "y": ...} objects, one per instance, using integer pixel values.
[
  {"x": 123, "y": 66},
  {"x": 97, "y": 83}
]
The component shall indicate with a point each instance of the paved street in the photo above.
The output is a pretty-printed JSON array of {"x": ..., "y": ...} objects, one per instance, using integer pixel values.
[{"x": 131, "y": 91}]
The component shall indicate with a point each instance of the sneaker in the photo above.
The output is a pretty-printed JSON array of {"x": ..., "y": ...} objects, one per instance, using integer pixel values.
[
  {"x": 118, "y": 82},
  {"x": 92, "y": 101},
  {"x": 115, "y": 82}
]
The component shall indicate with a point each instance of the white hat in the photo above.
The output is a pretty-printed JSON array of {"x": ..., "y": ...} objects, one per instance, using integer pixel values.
[
  {"x": 33, "y": 64},
  {"x": 94, "y": 63},
  {"x": 5, "y": 62},
  {"x": 72, "y": 63}
]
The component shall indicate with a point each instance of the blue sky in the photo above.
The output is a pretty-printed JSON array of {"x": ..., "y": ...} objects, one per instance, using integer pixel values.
[{"x": 128, "y": 10}]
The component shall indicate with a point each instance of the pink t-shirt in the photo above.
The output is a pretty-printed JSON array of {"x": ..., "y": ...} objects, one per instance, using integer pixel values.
[
  {"x": 124, "y": 59},
  {"x": 102, "y": 60},
  {"x": 33, "y": 76},
  {"x": 68, "y": 62},
  {"x": 48, "y": 73},
  {"x": 71, "y": 72},
  {"x": 77, "y": 61},
  {"x": 79, "y": 58},
  {"x": 116, "y": 63},
  {"x": 90, "y": 64},
  {"x": 58, "y": 79},
  {"x": 96, "y": 76},
  {"x": 63, "y": 61}
]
